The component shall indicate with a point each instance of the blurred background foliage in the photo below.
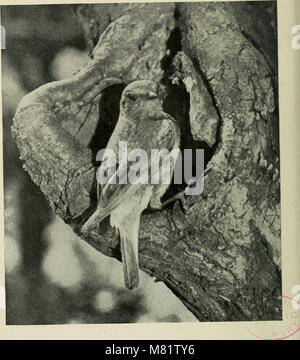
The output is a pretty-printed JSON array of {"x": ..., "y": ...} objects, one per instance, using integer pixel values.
[{"x": 53, "y": 277}]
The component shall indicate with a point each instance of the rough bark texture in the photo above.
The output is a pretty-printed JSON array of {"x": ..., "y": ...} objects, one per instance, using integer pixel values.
[{"x": 217, "y": 66}]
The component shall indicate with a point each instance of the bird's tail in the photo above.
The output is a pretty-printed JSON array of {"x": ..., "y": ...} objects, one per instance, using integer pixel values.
[{"x": 129, "y": 249}]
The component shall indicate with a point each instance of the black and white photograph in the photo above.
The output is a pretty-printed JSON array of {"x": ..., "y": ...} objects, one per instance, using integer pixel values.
[{"x": 141, "y": 163}]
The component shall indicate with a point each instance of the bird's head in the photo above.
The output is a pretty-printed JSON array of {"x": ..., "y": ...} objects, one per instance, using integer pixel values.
[{"x": 139, "y": 97}]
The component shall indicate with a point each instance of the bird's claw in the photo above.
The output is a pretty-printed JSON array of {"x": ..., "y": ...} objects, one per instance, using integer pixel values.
[
  {"x": 156, "y": 204},
  {"x": 181, "y": 196}
]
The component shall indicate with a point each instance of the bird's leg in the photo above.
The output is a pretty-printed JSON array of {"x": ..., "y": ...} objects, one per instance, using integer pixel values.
[
  {"x": 155, "y": 203},
  {"x": 179, "y": 196}
]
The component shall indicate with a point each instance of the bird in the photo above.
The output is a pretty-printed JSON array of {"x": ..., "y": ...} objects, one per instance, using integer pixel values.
[{"x": 143, "y": 124}]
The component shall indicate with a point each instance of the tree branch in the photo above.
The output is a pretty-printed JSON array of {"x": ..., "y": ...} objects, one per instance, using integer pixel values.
[{"x": 223, "y": 254}]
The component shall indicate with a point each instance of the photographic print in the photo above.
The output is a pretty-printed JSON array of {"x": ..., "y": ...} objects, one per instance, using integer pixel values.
[{"x": 141, "y": 163}]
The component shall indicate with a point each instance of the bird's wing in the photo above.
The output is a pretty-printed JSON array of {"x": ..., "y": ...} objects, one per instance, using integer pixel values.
[
  {"x": 115, "y": 193},
  {"x": 120, "y": 133},
  {"x": 111, "y": 196}
]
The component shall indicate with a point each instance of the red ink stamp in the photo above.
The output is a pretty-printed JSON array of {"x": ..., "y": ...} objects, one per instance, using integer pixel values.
[{"x": 278, "y": 330}]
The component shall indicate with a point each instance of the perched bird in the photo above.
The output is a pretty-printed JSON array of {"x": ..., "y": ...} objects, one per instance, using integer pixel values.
[{"x": 143, "y": 125}]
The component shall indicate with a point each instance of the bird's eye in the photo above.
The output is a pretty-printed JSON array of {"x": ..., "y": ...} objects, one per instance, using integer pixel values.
[{"x": 131, "y": 97}]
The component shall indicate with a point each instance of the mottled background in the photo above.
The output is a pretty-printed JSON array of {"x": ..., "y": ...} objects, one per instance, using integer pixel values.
[{"x": 53, "y": 277}]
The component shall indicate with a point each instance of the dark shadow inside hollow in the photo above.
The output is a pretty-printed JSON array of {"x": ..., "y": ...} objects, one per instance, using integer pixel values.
[
  {"x": 109, "y": 109},
  {"x": 177, "y": 104}
]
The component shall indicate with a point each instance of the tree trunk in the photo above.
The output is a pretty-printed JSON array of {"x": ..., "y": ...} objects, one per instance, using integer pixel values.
[{"x": 217, "y": 64}]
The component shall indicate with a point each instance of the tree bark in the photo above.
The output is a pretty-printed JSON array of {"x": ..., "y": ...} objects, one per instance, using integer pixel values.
[{"x": 217, "y": 66}]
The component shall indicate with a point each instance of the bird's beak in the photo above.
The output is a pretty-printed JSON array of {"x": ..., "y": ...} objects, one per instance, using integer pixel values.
[{"x": 152, "y": 95}]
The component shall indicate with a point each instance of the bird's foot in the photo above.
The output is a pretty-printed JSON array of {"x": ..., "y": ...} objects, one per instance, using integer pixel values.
[
  {"x": 181, "y": 196},
  {"x": 155, "y": 203}
]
